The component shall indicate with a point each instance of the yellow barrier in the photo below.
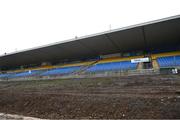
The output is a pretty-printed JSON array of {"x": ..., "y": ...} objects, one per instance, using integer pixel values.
[
  {"x": 118, "y": 59},
  {"x": 175, "y": 53},
  {"x": 74, "y": 64}
]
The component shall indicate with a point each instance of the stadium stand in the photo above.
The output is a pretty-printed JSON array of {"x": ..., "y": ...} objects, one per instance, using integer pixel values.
[
  {"x": 161, "y": 60},
  {"x": 107, "y": 52}
]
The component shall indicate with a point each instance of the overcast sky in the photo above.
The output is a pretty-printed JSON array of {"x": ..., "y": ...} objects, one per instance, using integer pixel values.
[{"x": 30, "y": 23}]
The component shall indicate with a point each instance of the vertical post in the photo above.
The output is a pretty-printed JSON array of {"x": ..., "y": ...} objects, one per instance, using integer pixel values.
[
  {"x": 145, "y": 42},
  {"x": 174, "y": 60}
]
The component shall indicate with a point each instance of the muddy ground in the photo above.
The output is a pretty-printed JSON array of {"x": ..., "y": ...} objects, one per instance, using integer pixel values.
[{"x": 125, "y": 97}]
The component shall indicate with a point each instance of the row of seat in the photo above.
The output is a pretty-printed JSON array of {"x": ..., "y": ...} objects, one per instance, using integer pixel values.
[
  {"x": 170, "y": 61},
  {"x": 21, "y": 74},
  {"x": 124, "y": 65},
  {"x": 58, "y": 71},
  {"x": 112, "y": 66}
]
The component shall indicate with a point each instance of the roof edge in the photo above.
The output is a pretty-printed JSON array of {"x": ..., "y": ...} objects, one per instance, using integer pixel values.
[{"x": 96, "y": 34}]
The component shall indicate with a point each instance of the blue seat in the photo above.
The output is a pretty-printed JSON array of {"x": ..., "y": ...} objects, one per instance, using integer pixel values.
[
  {"x": 24, "y": 74},
  {"x": 4, "y": 75},
  {"x": 178, "y": 60},
  {"x": 169, "y": 61},
  {"x": 59, "y": 71},
  {"x": 112, "y": 66}
]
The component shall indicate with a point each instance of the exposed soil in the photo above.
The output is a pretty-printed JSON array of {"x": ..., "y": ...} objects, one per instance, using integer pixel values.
[{"x": 126, "y": 97}]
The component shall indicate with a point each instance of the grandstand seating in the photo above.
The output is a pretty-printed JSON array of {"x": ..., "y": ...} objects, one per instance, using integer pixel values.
[
  {"x": 26, "y": 74},
  {"x": 169, "y": 61},
  {"x": 60, "y": 71},
  {"x": 113, "y": 66},
  {"x": 4, "y": 75},
  {"x": 109, "y": 64}
]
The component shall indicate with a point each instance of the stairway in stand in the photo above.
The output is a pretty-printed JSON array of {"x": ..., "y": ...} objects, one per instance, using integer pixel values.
[
  {"x": 155, "y": 64},
  {"x": 85, "y": 67}
]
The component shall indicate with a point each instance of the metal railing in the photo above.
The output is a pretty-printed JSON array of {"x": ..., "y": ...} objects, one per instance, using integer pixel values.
[{"x": 117, "y": 73}]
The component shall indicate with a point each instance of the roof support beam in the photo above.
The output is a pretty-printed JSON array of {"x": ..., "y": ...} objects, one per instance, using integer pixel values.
[
  {"x": 90, "y": 49},
  {"x": 144, "y": 39},
  {"x": 64, "y": 49},
  {"x": 112, "y": 42}
]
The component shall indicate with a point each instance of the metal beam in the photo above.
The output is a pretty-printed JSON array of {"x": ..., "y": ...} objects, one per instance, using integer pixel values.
[{"x": 112, "y": 42}]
